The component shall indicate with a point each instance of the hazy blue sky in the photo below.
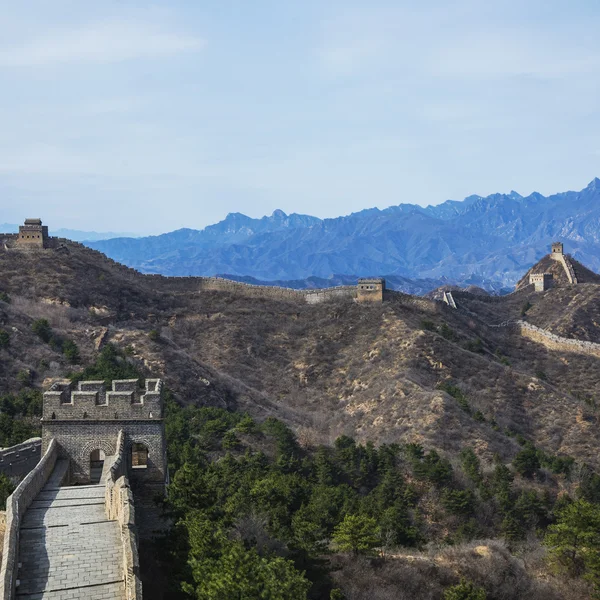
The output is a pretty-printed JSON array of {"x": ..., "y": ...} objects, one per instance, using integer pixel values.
[{"x": 149, "y": 116}]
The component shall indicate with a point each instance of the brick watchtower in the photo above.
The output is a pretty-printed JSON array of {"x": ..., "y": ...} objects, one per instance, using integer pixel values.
[
  {"x": 86, "y": 421},
  {"x": 32, "y": 234},
  {"x": 370, "y": 289}
]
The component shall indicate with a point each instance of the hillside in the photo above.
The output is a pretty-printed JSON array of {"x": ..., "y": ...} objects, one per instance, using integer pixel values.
[
  {"x": 408, "y": 371},
  {"x": 478, "y": 241}
]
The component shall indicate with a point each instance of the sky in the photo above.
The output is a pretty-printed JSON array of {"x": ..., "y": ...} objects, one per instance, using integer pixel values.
[{"x": 127, "y": 115}]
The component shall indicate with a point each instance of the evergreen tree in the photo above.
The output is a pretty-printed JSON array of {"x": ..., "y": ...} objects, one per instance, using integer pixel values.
[{"x": 357, "y": 534}]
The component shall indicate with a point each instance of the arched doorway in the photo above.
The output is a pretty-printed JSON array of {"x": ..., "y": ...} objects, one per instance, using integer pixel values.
[
  {"x": 96, "y": 465},
  {"x": 139, "y": 456}
]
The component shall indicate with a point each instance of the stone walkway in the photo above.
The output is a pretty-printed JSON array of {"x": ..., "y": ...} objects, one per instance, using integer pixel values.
[{"x": 68, "y": 549}]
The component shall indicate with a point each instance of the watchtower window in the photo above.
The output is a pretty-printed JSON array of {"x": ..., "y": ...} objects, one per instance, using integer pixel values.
[{"x": 139, "y": 456}]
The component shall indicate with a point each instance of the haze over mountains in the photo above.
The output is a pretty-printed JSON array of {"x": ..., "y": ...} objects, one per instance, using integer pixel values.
[
  {"x": 488, "y": 241},
  {"x": 73, "y": 234}
]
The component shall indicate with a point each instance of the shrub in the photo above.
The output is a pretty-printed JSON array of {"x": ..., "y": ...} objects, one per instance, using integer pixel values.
[
  {"x": 4, "y": 339},
  {"x": 474, "y": 346},
  {"x": 465, "y": 590},
  {"x": 4, "y": 297},
  {"x": 6, "y": 489},
  {"x": 527, "y": 462},
  {"x": 71, "y": 351},
  {"x": 447, "y": 332},
  {"x": 154, "y": 335},
  {"x": 525, "y": 308},
  {"x": 42, "y": 329},
  {"x": 427, "y": 325},
  {"x": 24, "y": 377}
]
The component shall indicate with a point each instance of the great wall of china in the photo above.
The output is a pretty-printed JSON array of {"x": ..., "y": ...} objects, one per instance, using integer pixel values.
[{"x": 111, "y": 443}]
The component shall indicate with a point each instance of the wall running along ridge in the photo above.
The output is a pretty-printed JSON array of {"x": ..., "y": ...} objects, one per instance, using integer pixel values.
[
  {"x": 568, "y": 267},
  {"x": 16, "y": 505},
  {"x": 119, "y": 506},
  {"x": 19, "y": 460},
  {"x": 556, "y": 342}
]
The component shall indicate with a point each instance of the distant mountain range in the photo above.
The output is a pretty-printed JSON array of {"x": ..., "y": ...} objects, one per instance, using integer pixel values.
[
  {"x": 487, "y": 241},
  {"x": 73, "y": 234}
]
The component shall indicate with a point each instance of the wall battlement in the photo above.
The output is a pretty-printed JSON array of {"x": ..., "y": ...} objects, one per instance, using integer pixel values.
[{"x": 91, "y": 400}]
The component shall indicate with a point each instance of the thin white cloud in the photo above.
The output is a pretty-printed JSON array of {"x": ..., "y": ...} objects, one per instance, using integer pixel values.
[{"x": 106, "y": 42}]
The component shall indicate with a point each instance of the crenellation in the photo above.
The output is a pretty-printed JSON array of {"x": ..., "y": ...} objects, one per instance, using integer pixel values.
[{"x": 89, "y": 418}]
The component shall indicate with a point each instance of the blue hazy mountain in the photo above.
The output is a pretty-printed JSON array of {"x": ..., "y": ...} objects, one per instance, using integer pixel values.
[{"x": 493, "y": 238}]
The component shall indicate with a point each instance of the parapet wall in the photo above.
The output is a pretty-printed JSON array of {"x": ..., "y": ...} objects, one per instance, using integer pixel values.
[
  {"x": 568, "y": 267},
  {"x": 119, "y": 506},
  {"x": 19, "y": 460},
  {"x": 91, "y": 400},
  {"x": 219, "y": 284},
  {"x": 16, "y": 505},
  {"x": 556, "y": 342}
]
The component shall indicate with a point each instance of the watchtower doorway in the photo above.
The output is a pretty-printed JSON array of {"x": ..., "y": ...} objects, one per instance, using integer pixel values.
[
  {"x": 139, "y": 456},
  {"x": 96, "y": 465}
]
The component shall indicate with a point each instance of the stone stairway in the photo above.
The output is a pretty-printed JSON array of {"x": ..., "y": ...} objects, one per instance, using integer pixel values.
[{"x": 68, "y": 549}]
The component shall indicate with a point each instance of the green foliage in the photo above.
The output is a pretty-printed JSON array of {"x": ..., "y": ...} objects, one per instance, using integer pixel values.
[
  {"x": 457, "y": 394},
  {"x": 223, "y": 569},
  {"x": 19, "y": 416},
  {"x": 527, "y": 461},
  {"x": 357, "y": 534},
  {"x": 574, "y": 541},
  {"x": 24, "y": 377},
  {"x": 475, "y": 345},
  {"x": 589, "y": 486},
  {"x": 4, "y": 339},
  {"x": 465, "y": 590},
  {"x": 459, "y": 502},
  {"x": 154, "y": 335},
  {"x": 336, "y": 594},
  {"x": 471, "y": 465},
  {"x": 243, "y": 491},
  {"x": 427, "y": 325},
  {"x": 111, "y": 363},
  {"x": 525, "y": 308},
  {"x": 4, "y": 297},
  {"x": 71, "y": 351},
  {"x": 6, "y": 489},
  {"x": 42, "y": 329},
  {"x": 447, "y": 332}
]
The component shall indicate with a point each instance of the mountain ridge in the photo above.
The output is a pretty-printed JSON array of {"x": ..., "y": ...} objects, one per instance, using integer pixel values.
[{"x": 495, "y": 237}]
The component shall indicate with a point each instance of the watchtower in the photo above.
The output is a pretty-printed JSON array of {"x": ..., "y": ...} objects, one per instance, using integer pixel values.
[
  {"x": 32, "y": 234},
  {"x": 85, "y": 422},
  {"x": 557, "y": 248},
  {"x": 541, "y": 281},
  {"x": 370, "y": 289}
]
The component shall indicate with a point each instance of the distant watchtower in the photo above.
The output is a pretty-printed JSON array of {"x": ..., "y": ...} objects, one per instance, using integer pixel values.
[
  {"x": 32, "y": 234},
  {"x": 370, "y": 289},
  {"x": 557, "y": 248},
  {"x": 86, "y": 422}
]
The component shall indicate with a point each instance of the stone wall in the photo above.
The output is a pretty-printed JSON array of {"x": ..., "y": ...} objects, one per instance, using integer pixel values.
[
  {"x": 78, "y": 439},
  {"x": 16, "y": 505},
  {"x": 556, "y": 342},
  {"x": 568, "y": 267},
  {"x": 19, "y": 460},
  {"x": 119, "y": 506}
]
